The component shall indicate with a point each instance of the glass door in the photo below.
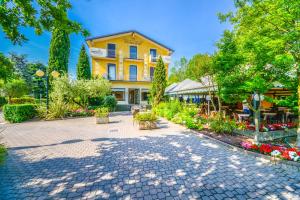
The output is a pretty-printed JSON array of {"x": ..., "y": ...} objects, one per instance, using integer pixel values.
[{"x": 133, "y": 73}]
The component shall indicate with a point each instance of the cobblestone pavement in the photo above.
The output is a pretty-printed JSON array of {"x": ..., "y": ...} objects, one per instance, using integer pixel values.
[{"x": 77, "y": 159}]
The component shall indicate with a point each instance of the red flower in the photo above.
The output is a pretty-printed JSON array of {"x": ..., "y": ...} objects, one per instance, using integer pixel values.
[
  {"x": 278, "y": 148},
  {"x": 254, "y": 147},
  {"x": 265, "y": 148},
  {"x": 298, "y": 153},
  {"x": 285, "y": 155},
  {"x": 292, "y": 149}
]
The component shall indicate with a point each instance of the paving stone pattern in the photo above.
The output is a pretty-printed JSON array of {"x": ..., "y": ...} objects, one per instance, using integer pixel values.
[{"x": 77, "y": 159}]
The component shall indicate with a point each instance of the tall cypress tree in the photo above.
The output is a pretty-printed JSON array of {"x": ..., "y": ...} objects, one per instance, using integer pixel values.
[
  {"x": 83, "y": 65},
  {"x": 159, "y": 82},
  {"x": 59, "y": 51}
]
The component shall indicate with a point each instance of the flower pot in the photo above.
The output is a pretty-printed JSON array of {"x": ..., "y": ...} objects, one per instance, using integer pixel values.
[
  {"x": 102, "y": 120},
  {"x": 147, "y": 125}
]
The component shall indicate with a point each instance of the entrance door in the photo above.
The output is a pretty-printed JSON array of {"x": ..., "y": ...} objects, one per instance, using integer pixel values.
[{"x": 133, "y": 96}]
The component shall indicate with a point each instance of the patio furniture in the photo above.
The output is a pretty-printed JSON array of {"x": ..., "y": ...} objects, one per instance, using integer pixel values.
[
  {"x": 269, "y": 116},
  {"x": 243, "y": 116}
]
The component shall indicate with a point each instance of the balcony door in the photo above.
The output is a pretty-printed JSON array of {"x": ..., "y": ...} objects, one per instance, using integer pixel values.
[
  {"x": 133, "y": 52},
  {"x": 153, "y": 55},
  {"x": 133, "y": 73},
  {"x": 111, "y": 50},
  {"x": 152, "y": 73},
  {"x": 111, "y": 72}
]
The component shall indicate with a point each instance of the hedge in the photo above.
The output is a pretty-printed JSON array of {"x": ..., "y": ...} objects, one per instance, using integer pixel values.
[
  {"x": 2, "y": 101},
  {"x": 22, "y": 100},
  {"x": 16, "y": 113}
]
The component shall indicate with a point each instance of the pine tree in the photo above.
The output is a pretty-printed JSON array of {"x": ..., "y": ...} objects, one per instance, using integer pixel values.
[
  {"x": 83, "y": 65},
  {"x": 159, "y": 82},
  {"x": 59, "y": 51}
]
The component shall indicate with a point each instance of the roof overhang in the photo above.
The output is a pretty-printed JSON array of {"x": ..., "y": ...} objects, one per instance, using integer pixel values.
[{"x": 124, "y": 33}]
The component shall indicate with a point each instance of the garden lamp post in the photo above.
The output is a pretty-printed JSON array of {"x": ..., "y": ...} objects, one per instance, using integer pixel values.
[{"x": 41, "y": 74}]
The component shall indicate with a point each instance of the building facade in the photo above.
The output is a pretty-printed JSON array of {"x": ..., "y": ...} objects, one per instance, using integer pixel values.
[{"x": 128, "y": 60}]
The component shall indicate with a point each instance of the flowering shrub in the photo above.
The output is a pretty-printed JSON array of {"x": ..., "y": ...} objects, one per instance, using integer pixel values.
[{"x": 273, "y": 150}]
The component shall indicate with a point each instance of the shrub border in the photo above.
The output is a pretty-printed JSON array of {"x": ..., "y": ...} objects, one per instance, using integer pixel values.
[{"x": 284, "y": 164}]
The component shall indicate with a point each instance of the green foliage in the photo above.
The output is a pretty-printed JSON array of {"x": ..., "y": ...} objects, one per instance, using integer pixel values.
[
  {"x": 40, "y": 15},
  {"x": 66, "y": 93},
  {"x": 110, "y": 102},
  {"x": 6, "y": 68},
  {"x": 199, "y": 66},
  {"x": 3, "y": 152},
  {"x": 178, "y": 72},
  {"x": 220, "y": 125},
  {"x": 3, "y": 101},
  {"x": 191, "y": 123},
  {"x": 26, "y": 71},
  {"x": 159, "y": 82},
  {"x": 59, "y": 51},
  {"x": 83, "y": 65},
  {"x": 22, "y": 100},
  {"x": 15, "y": 88},
  {"x": 102, "y": 112},
  {"x": 145, "y": 116},
  {"x": 16, "y": 113},
  {"x": 168, "y": 109}
]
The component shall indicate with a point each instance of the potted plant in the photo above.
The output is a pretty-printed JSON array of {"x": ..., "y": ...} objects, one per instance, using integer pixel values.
[
  {"x": 101, "y": 115},
  {"x": 146, "y": 120}
]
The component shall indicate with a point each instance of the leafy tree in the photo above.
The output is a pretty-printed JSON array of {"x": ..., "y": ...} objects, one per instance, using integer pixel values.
[
  {"x": 6, "y": 68},
  {"x": 159, "y": 82},
  {"x": 199, "y": 66},
  {"x": 67, "y": 92},
  {"x": 59, "y": 51},
  {"x": 15, "y": 88},
  {"x": 83, "y": 65},
  {"x": 40, "y": 15},
  {"x": 268, "y": 32},
  {"x": 178, "y": 72},
  {"x": 26, "y": 70}
]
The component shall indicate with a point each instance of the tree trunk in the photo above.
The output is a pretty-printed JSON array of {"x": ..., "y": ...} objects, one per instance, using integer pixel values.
[{"x": 298, "y": 129}]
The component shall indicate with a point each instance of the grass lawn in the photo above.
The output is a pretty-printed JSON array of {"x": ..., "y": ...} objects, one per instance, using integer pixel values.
[{"x": 3, "y": 152}]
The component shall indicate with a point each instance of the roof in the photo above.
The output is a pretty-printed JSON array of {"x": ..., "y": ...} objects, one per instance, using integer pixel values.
[
  {"x": 126, "y": 32},
  {"x": 189, "y": 86}
]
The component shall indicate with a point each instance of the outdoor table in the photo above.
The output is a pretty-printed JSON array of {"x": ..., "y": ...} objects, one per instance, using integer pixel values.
[
  {"x": 266, "y": 115},
  {"x": 239, "y": 110},
  {"x": 241, "y": 116}
]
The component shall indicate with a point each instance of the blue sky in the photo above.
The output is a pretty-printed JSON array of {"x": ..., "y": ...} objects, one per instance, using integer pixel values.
[{"x": 187, "y": 26}]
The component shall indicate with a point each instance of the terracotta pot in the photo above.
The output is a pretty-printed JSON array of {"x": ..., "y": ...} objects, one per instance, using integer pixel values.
[
  {"x": 147, "y": 125},
  {"x": 102, "y": 120}
]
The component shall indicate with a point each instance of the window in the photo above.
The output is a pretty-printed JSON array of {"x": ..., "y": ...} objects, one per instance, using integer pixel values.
[
  {"x": 153, "y": 55},
  {"x": 111, "y": 69},
  {"x": 132, "y": 73},
  {"x": 119, "y": 93},
  {"x": 133, "y": 52},
  {"x": 145, "y": 95},
  {"x": 111, "y": 50},
  {"x": 152, "y": 73}
]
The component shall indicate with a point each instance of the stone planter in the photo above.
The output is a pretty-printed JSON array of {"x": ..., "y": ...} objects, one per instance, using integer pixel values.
[
  {"x": 102, "y": 120},
  {"x": 147, "y": 125}
]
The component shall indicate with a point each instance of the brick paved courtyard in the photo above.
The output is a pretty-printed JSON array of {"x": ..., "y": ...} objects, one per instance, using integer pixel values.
[{"x": 77, "y": 159}]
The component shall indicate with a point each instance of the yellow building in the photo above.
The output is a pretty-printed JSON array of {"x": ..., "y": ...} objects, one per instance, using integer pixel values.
[{"x": 128, "y": 60}]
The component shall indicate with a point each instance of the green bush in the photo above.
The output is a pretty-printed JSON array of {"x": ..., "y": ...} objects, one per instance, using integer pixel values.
[
  {"x": 3, "y": 153},
  {"x": 191, "y": 123},
  {"x": 102, "y": 112},
  {"x": 16, "y": 113},
  {"x": 2, "y": 101},
  {"x": 220, "y": 125},
  {"x": 22, "y": 100},
  {"x": 96, "y": 101},
  {"x": 145, "y": 116},
  {"x": 110, "y": 102}
]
